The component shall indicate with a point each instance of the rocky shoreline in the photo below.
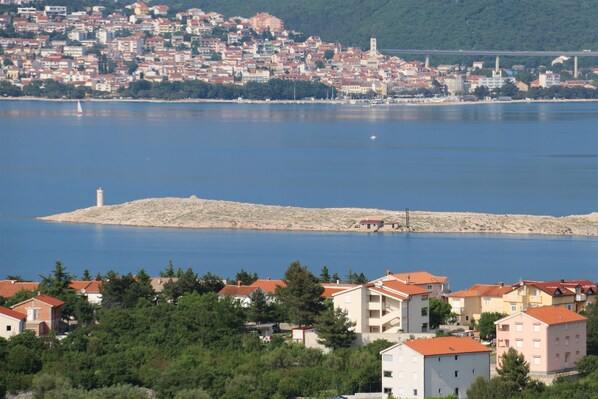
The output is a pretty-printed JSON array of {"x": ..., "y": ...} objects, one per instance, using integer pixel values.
[{"x": 199, "y": 213}]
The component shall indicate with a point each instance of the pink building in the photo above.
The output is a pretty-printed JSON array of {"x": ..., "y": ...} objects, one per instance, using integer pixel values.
[
  {"x": 262, "y": 21},
  {"x": 551, "y": 338}
]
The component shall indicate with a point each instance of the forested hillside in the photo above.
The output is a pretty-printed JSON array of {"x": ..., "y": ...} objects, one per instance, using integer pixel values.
[{"x": 438, "y": 24}]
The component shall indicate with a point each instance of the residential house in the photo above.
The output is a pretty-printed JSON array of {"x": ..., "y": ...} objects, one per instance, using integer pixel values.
[
  {"x": 268, "y": 286},
  {"x": 439, "y": 286},
  {"x": 239, "y": 292},
  {"x": 433, "y": 367},
  {"x": 389, "y": 307},
  {"x": 11, "y": 322},
  {"x": 551, "y": 338},
  {"x": 469, "y": 304},
  {"x": 90, "y": 290},
  {"x": 574, "y": 295},
  {"x": 43, "y": 313}
]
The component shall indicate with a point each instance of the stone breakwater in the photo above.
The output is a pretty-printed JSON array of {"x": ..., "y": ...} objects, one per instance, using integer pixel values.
[{"x": 199, "y": 213}]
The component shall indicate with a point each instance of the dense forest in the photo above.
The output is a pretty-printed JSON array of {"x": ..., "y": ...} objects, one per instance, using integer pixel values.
[{"x": 433, "y": 24}]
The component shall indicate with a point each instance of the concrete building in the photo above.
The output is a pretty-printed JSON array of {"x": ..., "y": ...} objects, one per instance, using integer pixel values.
[
  {"x": 469, "y": 304},
  {"x": 551, "y": 338},
  {"x": 573, "y": 295},
  {"x": 388, "y": 307},
  {"x": 434, "y": 367},
  {"x": 262, "y": 21},
  {"x": 439, "y": 286},
  {"x": 549, "y": 79},
  {"x": 494, "y": 82}
]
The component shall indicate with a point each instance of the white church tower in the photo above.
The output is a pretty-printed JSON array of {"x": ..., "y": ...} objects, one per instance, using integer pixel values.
[
  {"x": 373, "y": 48},
  {"x": 99, "y": 197}
]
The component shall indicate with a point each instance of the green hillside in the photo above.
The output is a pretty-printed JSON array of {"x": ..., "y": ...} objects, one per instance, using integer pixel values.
[{"x": 437, "y": 24}]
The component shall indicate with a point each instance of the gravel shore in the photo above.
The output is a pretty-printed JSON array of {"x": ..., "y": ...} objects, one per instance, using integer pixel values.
[{"x": 199, "y": 213}]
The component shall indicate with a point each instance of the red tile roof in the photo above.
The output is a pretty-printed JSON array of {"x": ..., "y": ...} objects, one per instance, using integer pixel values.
[
  {"x": 445, "y": 346},
  {"x": 268, "y": 286},
  {"x": 409, "y": 289},
  {"x": 237, "y": 290},
  {"x": 9, "y": 288},
  {"x": 421, "y": 277},
  {"x": 333, "y": 288},
  {"x": 482, "y": 290},
  {"x": 92, "y": 286},
  {"x": 554, "y": 315},
  {"x": 11, "y": 313},
  {"x": 49, "y": 300}
]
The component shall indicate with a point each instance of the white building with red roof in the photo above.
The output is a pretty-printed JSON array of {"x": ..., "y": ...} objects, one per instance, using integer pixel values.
[
  {"x": 551, "y": 338},
  {"x": 11, "y": 322},
  {"x": 388, "y": 307},
  {"x": 437, "y": 285},
  {"x": 433, "y": 367}
]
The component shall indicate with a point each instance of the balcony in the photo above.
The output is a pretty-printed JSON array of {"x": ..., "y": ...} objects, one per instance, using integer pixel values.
[{"x": 580, "y": 298}]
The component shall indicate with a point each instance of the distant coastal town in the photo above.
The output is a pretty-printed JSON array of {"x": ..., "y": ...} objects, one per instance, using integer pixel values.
[{"x": 142, "y": 51}]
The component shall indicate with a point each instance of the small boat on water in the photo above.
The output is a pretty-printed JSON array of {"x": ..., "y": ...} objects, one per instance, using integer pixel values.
[
  {"x": 79, "y": 108},
  {"x": 373, "y": 137}
]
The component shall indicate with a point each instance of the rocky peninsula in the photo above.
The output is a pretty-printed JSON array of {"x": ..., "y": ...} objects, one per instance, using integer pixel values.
[{"x": 199, "y": 213}]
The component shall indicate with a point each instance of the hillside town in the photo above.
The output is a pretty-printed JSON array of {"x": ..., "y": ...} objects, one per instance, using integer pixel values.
[
  {"x": 105, "y": 51},
  {"x": 539, "y": 319}
]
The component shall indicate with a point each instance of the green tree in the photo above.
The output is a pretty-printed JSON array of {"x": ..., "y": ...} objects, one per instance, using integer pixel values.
[
  {"x": 328, "y": 54},
  {"x": 481, "y": 92},
  {"x": 186, "y": 283},
  {"x": 301, "y": 295},
  {"x": 439, "y": 312},
  {"x": 57, "y": 283},
  {"x": 514, "y": 368},
  {"x": 354, "y": 278},
  {"x": 246, "y": 278},
  {"x": 259, "y": 310},
  {"x": 587, "y": 365},
  {"x": 324, "y": 275},
  {"x": 486, "y": 324},
  {"x": 125, "y": 291},
  {"x": 334, "y": 329},
  {"x": 592, "y": 328}
]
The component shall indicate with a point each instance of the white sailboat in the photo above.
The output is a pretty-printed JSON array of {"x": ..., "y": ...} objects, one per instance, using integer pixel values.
[
  {"x": 79, "y": 108},
  {"x": 373, "y": 137}
]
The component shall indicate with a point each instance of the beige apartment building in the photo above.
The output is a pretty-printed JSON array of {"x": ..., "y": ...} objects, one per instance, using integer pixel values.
[
  {"x": 389, "y": 307},
  {"x": 438, "y": 286},
  {"x": 11, "y": 322},
  {"x": 573, "y": 295},
  {"x": 469, "y": 304}
]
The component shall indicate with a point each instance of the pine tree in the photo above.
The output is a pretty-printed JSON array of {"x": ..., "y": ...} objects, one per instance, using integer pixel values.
[
  {"x": 324, "y": 275},
  {"x": 301, "y": 295},
  {"x": 334, "y": 329},
  {"x": 260, "y": 311},
  {"x": 514, "y": 368}
]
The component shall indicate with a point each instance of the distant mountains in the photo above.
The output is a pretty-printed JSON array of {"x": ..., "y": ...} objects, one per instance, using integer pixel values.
[{"x": 433, "y": 24}]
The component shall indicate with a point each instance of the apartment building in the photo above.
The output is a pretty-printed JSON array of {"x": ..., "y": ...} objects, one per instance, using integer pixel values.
[
  {"x": 551, "y": 338},
  {"x": 433, "y": 367},
  {"x": 385, "y": 307},
  {"x": 574, "y": 295},
  {"x": 469, "y": 304},
  {"x": 438, "y": 286}
]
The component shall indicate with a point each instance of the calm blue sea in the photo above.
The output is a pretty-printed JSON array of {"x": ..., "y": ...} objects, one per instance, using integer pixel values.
[{"x": 499, "y": 158}]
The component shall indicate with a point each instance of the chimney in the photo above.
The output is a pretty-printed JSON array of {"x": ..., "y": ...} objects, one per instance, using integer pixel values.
[
  {"x": 562, "y": 280},
  {"x": 388, "y": 272},
  {"x": 408, "y": 279},
  {"x": 501, "y": 284},
  {"x": 338, "y": 281},
  {"x": 238, "y": 283}
]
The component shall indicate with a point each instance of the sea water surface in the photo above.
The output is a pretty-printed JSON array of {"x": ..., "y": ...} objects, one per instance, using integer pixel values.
[{"x": 498, "y": 158}]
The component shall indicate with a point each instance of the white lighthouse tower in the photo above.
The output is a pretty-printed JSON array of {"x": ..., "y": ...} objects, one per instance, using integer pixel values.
[{"x": 99, "y": 197}]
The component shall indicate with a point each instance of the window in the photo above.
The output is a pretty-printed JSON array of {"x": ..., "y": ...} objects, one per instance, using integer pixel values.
[
  {"x": 536, "y": 344},
  {"x": 466, "y": 318},
  {"x": 536, "y": 360},
  {"x": 518, "y": 327},
  {"x": 387, "y": 390},
  {"x": 387, "y": 358},
  {"x": 456, "y": 357},
  {"x": 8, "y": 328},
  {"x": 424, "y": 311},
  {"x": 456, "y": 373},
  {"x": 347, "y": 298},
  {"x": 557, "y": 340},
  {"x": 486, "y": 302},
  {"x": 566, "y": 341},
  {"x": 577, "y": 338},
  {"x": 415, "y": 392},
  {"x": 387, "y": 373},
  {"x": 472, "y": 371},
  {"x": 519, "y": 343},
  {"x": 507, "y": 343},
  {"x": 513, "y": 307},
  {"x": 536, "y": 327},
  {"x": 439, "y": 391},
  {"x": 569, "y": 307},
  {"x": 429, "y": 287},
  {"x": 457, "y": 392},
  {"x": 425, "y": 297}
]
